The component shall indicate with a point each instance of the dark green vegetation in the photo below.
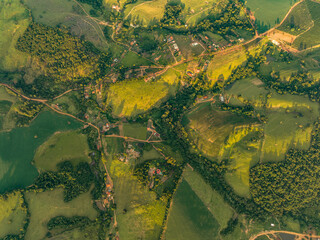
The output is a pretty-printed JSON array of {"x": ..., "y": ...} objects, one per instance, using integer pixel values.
[
  {"x": 181, "y": 124},
  {"x": 18, "y": 147}
]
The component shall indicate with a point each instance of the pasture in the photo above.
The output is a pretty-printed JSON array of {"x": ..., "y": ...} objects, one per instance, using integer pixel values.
[
  {"x": 221, "y": 65},
  {"x": 12, "y": 214},
  {"x": 131, "y": 97},
  {"x": 221, "y": 211},
  {"x": 4, "y": 109},
  {"x": 298, "y": 21},
  {"x": 135, "y": 130},
  {"x": 310, "y": 38},
  {"x": 7, "y": 120},
  {"x": 209, "y": 128},
  {"x": 17, "y": 148},
  {"x": 46, "y": 205},
  {"x": 49, "y": 12},
  {"x": 269, "y": 12},
  {"x": 139, "y": 213},
  {"x": 132, "y": 59},
  {"x": 62, "y": 146},
  {"x": 147, "y": 11},
  {"x": 14, "y": 21},
  {"x": 189, "y": 218},
  {"x": 285, "y": 69},
  {"x": 248, "y": 90}
]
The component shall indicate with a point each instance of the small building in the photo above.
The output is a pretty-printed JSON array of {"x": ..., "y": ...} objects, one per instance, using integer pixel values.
[{"x": 175, "y": 46}]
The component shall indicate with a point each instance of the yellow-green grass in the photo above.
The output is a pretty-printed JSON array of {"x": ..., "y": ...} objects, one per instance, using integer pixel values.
[
  {"x": 4, "y": 109},
  {"x": 286, "y": 69},
  {"x": 67, "y": 103},
  {"x": 194, "y": 10},
  {"x": 132, "y": 59},
  {"x": 44, "y": 206},
  {"x": 189, "y": 218},
  {"x": 299, "y": 18},
  {"x": 147, "y": 11},
  {"x": 12, "y": 214},
  {"x": 243, "y": 153},
  {"x": 62, "y": 146},
  {"x": 49, "y": 12},
  {"x": 8, "y": 121},
  {"x": 135, "y": 130},
  {"x": 269, "y": 12},
  {"x": 209, "y": 128},
  {"x": 311, "y": 37},
  {"x": 139, "y": 214},
  {"x": 248, "y": 90},
  {"x": 129, "y": 98},
  {"x": 14, "y": 21},
  {"x": 221, "y": 211},
  {"x": 283, "y": 131},
  {"x": 221, "y": 65}
]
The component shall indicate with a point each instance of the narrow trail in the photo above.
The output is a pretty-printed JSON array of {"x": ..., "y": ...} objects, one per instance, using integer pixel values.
[{"x": 132, "y": 139}]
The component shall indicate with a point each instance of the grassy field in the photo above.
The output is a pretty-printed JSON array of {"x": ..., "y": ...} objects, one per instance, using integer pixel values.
[
  {"x": 7, "y": 121},
  {"x": 49, "y": 12},
  {"x": 248, "y": 90},
  {"x": 269, "y": 12},
  {"x": 221, "y": 211},
  {"x": 139, "y": 214},
  {"x": 147, "y": 11},
  {"x": 132, "y": 59},
  {"x": 285, "y": 69},
  {"x": 135, "y": 130},
  {"x": 298, "y": 21},
  {"x": 18, "y": 146},
  {"x": 12, "y": 214},
  {"x": 189, "y": 218},
  {"x": 14, "y": 21},
  {"x": 243, "y": 151},
  {"x": 221, "y": 66},
  {"x": 49, "y": 204},
  {"x": 132, "y": 97},
  {"x": 209, "y": 128},
  {"x": 4, "y": 109},
  {"x": 311, "y": 37},
  {"x": 62, "y": 146},
  {"x": 89, "y": 232},
  {"x": 289, "y": 124}
]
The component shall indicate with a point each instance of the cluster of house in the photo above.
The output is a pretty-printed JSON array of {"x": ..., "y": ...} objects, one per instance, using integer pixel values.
[{"x": 172, "y": 42}]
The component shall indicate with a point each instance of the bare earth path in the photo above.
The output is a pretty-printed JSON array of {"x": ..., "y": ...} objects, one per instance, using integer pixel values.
[{"x": 306, "y": 236}]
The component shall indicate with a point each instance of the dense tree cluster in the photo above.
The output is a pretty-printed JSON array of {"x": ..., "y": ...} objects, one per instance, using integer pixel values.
[
  {"x": 67, "y": 222},
  {"x": 229, "y": 20},
  {"x": 65, "y": 57},
  {"x": 74, "y": 180},
  {"x": 173, "y": 10}
]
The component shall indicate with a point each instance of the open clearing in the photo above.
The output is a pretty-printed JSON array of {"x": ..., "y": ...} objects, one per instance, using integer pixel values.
[
  {"x": 221, "y": 211},
  {"x": 269, "y": 12},
  {"x": 135, "y": 130},
  {"x": 189, "y": 218},
  {"x": 12, "y": 214},
  {"x": 49, "y": 204},
  {"x": 69, "y": 14},
  {"x": 310, "y": 37},
  {"x": 139, "y": 214},
  {"x": 129, "y": 98},
  {"x": 14, "y": 21},
  {"x": 65, "y": 146},
  {"x": 209, "y": 128}
]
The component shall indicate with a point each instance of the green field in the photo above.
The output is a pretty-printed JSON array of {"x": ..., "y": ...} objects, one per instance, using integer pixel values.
[
  {"x": 298, "y": 21},
  {"x": 147, "y": 11},
  {"x": 135, "y": 130},
  {"x": 221, "y": 211},
  {"x": 129, "y": 98},
  {"x": 311, "y": 37},
  {"x": 12, "y": 214},
  {"x": 89, "y": 232},
  {"x": 18, "y": 146},
  {"x": 285, "y": 69},
  {"x": 269, "y": 12},
  {"x": 62, "y": 146},
  {"x": 4, "y": 109},
  {"x": 13, "y": 22},
  {"x": 139, "y": 214},
  {"x": 7, "y": 120},
  {"x": 131, "y": 59},
  {"x": 250, "y": 90},
  {"x": 189, "y": 218},
  {"x": 46, "y": 205},
  {"x": 49, "y": 12},
  {"x": 209, "y": 128}
]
